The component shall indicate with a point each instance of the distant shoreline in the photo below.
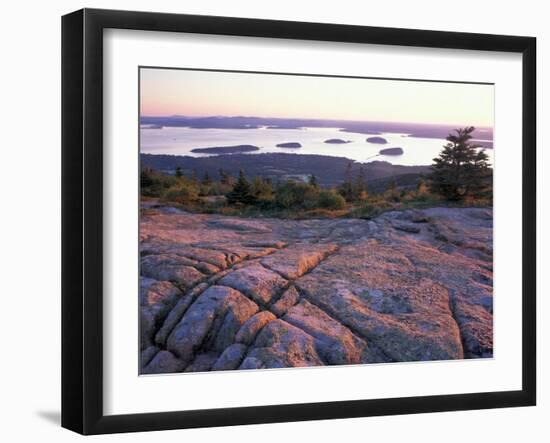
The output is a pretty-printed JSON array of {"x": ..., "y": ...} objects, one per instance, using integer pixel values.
[{"x": 417, "y": 130}]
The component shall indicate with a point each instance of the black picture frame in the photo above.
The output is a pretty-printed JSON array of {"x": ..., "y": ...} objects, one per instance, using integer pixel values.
[{"x": 82, "y": 218}]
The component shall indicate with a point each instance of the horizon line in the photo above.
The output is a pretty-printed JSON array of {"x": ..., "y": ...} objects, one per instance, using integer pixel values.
[{"x": 314, "y": 118}]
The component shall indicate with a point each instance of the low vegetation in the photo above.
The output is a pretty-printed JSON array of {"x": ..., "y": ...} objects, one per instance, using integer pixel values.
[{"x": 461, "y": 176}]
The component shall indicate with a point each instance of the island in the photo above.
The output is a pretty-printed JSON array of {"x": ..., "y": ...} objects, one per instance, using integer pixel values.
[
  {"x": 226, "y": 149},
  {"x": 337, "y": 141},
  {"x": 391, "y": 151},
  {"x": 289, "y": 145},
  {"x": 377, "y": 140}
]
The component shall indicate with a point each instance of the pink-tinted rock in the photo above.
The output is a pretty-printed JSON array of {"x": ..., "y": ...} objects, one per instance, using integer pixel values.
[
  {"x": 255, "y": 281},
  {"x": 404, "y": 286},
  {"x": 156, "y": 301},
  {"x": 248, "y": 331},
  {"x": 206, "y": 317},
  {"x": 371, "y": 288},
  {"x": 177, "y": 312},
  {"x": 334, "y": 341},
  {"x": 239, "y": 311},
  {"x": 289, "y": 298},
  {"x": 281, "y": 345},
  {"x": 294, "y": 261},
  {"x": 172, "y": 268}
]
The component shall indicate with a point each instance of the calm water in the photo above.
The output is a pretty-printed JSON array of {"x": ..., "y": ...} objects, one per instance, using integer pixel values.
[{"x": 180, "y": 141}]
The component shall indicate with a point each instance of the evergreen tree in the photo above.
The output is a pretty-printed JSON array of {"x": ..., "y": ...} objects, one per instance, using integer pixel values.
[
  {"x": 194, "y": 177},
  {"x": 206, "y": 180},
  {"x": 392, "y": 191},
  {"x": 360, "y": 189},
  {"x": 224, "y": 177},
  {"x": 461, "y": 169},
  {"x": 241, "y": 192},
  {"x": 178, "y": 172},
  {"x": 313, "y": 181},
  {"x": 346, "y": 189},
  {"x": 145, "y": 178}
]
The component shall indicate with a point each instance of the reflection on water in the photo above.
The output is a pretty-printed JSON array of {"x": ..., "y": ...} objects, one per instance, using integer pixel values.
[{"x": 180, "y": 141}]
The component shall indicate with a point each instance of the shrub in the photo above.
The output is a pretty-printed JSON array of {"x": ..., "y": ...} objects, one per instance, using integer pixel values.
[
  {"x": 331, "y": 200},
  {"x": 153, "y": 183},
  {"x": 296, "y": 195},
  {"x": 262, "y": 190},
  {"x": 181, "y": 193}
]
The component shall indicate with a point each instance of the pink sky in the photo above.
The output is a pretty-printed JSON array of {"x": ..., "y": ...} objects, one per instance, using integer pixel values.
[{"x": 202, "y": 93}]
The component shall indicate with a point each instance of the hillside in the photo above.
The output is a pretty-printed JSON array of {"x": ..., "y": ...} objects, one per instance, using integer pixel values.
[{"x": 330, "y": 171}]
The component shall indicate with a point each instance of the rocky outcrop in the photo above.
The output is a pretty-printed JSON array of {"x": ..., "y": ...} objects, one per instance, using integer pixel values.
[
  {"x": 256, "y": 281},
  {"x": 281, "y": 345},
  {"x": 223, "y": 293}
]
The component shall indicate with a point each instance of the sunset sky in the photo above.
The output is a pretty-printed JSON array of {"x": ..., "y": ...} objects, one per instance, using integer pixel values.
[{"x": 165, "y": 92}]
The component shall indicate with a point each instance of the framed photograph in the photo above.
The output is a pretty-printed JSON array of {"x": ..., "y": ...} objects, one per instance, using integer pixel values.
[{"x": 269, "y": 221}]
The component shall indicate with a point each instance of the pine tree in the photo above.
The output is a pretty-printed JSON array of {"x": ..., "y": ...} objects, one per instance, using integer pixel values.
[
  {"x": 241, "y": 192},
  {"x": 346, "y": 189},
  {"x": 461, "y": 169},
  {"x": 178, "y": 172},
  {"x": 392, "y": 190},
  {"x": 360, "y": 189},
  {"x": 194, "y": 177},
  {"x": 224, "y": 177},
  {"x": 146, "y": 178},
  {"x": 313, "y": 181},
  {"x": 206, "y": 180}
]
